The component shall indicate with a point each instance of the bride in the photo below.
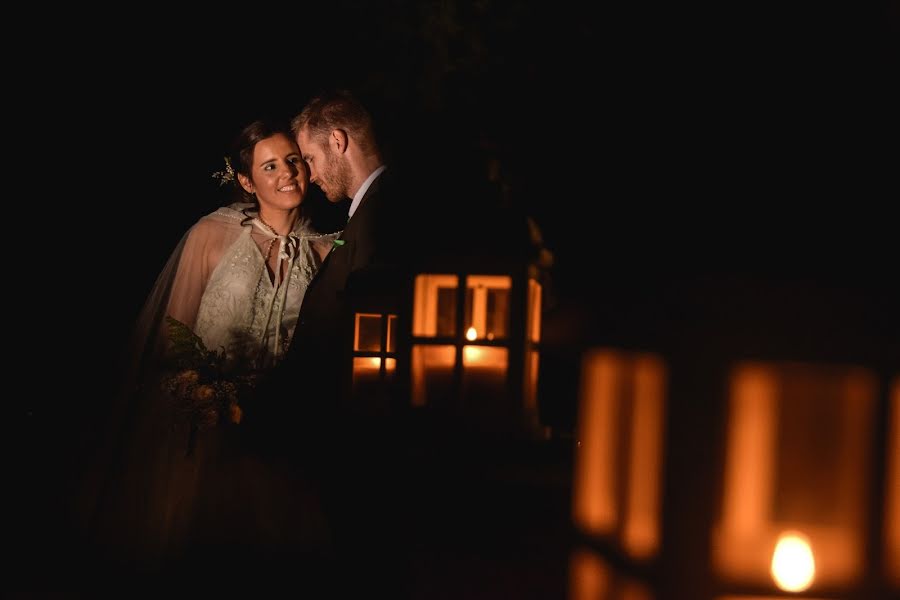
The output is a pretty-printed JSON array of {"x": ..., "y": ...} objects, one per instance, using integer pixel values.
[{"x": 237, "y": 280}]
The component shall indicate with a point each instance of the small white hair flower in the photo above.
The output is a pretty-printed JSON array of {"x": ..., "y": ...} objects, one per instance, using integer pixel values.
[{"x": 226, "y": 175}]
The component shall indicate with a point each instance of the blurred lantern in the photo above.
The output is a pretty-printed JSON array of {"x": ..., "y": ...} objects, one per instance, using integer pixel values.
[
  {"x": 794, "y": 505},
  {"x": 791, "y": 515},
  {"x": 592, "y": 578},
  {"x": 618, "y": 473}
]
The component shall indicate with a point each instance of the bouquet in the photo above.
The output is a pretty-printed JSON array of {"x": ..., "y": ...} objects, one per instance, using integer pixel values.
[{"x": 203, "y": 385}]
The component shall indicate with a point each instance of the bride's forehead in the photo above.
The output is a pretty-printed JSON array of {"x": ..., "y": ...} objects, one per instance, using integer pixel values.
[{"x": 275, "y": 146}]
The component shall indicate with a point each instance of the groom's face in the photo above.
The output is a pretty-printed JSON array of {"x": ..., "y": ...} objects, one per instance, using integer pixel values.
[{"x": 327, "y": 169}]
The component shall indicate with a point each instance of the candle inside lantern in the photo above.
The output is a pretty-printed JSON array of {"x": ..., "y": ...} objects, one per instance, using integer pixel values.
[{"x": 793, "y": 565}]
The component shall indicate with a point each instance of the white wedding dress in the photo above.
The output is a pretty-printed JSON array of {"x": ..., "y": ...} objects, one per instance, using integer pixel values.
[
  {"x": 239, "y": 286},
  {"x": 250, "y": 299}
]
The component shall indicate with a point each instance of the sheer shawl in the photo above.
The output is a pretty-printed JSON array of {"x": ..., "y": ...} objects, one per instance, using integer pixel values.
[{"x": 146, "y": 495}]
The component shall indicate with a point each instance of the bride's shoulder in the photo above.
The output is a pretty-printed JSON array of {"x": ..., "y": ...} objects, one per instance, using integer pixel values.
[
  {"x": 223, "y": 224},
  {"x": 231, "y": 216}
]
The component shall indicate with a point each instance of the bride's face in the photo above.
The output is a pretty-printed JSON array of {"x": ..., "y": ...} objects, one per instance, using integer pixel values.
[{"x": 279, "y": 175}]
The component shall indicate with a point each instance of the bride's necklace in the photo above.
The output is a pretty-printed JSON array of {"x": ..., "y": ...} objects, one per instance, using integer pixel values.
[
  {"x": 266, "y": 225},
  {"x": 277, "y": 237}
]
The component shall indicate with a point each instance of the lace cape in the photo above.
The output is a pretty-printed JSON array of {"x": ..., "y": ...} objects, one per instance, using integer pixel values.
[
  {"x": 219, "y": 283},
  {"x": 145, "y": 497}
]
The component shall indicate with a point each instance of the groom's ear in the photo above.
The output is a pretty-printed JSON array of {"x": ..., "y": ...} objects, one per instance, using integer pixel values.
[{"x": 338, "y": 140}]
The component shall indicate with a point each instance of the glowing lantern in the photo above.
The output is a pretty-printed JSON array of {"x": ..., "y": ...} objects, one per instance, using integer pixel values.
[
  {"x": 374, "y": 348},
  {"x": 618, "y": 468},
  {"x": 475, "y": 347},
  {"x": 375, "y": 367},
  {"x": 793, "y": 512}
]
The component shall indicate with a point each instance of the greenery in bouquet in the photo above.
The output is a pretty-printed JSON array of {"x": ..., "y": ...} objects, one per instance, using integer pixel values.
[{"x": 201, "y": 382}]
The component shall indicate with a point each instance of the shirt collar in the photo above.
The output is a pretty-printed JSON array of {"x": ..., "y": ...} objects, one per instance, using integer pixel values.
[{"x": 358, "y": 196}]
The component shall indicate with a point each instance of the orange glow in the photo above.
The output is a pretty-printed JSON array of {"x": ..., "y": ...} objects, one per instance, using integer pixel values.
[
  {"x": 534, "y": 311},
  {"x": 762, "y": 598},
  {"x": 485, "y": 356},
  {"x": 367, "y": 332},
  {"x": 428, "y": 311},
  {"x": 484, "y": 370},
  {"x": 529, "y": 387},
  {"x": 621, "y": 400},
  {"x": 488, "y": 314},
  {"x": 632, "y": 590},
  {"x": 392, "y": 333},
  {"x": 793, "y": 565},
  {"x": 892, "y": 496},
  {"x": 486, "y": 310},
  {"x": 372, "y": 364},
  {"x": 430, "y": 366},
  {"x": 595, "y": 508},
  {"x": 641, "y": 529},
  {"x": 795, "y": 459},
  {"x": 592, "y": 578},
  {"x": 589, "y": 576}
]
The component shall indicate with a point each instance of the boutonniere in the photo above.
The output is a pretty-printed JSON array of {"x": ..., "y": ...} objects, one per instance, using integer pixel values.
[{"x": 339, "y": 242}]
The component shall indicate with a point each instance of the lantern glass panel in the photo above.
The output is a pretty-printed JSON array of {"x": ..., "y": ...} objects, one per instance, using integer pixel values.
[
  {"x": 432, "y": 374},
  {"x": 487, "y": 307},
  {"x": 368, "y": 333},
  {"x": 434, "y": 306}
]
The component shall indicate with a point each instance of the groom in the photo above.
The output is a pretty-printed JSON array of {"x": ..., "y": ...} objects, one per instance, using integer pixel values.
[
  {"x": 337, "y": 140},
  {"x": 352, "y": 455}
]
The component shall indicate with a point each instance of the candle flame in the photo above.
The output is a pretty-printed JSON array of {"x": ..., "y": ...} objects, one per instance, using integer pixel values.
[
  {"x": 793, "y": 565},
  {"x": 471, "y": 334}
]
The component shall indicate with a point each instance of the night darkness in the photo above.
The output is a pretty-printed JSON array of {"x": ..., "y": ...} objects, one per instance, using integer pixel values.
[{"x": 709, "y": 173}]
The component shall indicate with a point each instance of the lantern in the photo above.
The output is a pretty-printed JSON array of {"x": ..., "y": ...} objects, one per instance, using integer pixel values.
[
  {"x": 794, "y": 500},
  {"x": 374, "y": 349},
  {"x": 474, "y": 348},
  {"x": 377, "y": 343},
  {"x": 617, "y": 472}
]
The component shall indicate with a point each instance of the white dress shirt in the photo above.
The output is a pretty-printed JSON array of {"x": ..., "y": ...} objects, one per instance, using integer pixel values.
[{"x": 358, "y": 196}]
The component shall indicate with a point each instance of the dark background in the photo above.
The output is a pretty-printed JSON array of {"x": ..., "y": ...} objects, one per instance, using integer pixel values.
[
  {"x": 728, "y": 170},
  {"x": 652, "y": 144}
]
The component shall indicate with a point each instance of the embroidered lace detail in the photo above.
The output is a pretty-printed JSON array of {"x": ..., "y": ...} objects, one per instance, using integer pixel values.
[{"x": 255, "y": 328}]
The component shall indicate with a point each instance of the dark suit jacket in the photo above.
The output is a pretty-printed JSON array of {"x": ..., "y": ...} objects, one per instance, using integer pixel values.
[{"x": 367, "y": 257}]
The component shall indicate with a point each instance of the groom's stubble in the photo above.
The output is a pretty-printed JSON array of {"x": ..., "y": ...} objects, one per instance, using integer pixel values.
[{"x": 336, "y": 177}]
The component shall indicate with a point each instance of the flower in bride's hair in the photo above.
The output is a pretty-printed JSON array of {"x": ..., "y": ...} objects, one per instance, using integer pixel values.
[{"x": 226, "y": 175}]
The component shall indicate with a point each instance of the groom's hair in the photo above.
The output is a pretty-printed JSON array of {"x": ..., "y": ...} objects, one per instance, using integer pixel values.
[{"x": 337, "y": 110}]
